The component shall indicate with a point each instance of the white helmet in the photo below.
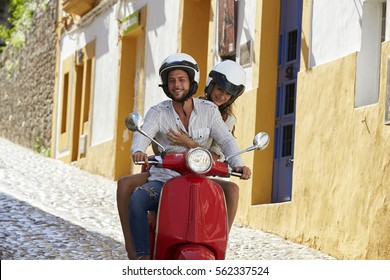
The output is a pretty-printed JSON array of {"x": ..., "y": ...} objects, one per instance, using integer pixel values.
[
  {"x": 229, "y": 76},
  {"x": 184, "y": 62}
]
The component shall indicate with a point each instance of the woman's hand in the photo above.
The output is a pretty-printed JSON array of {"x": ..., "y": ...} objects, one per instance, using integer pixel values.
[{"x": 180, "y": 138}]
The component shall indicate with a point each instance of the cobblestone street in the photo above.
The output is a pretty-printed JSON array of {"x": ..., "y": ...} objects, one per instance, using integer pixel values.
[{"x": 51, "y": 210}]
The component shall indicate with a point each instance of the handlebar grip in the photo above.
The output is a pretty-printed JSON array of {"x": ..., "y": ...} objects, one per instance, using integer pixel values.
[
  {"x": 152, "y": 162},
  {"x": 236, "y": 174}
]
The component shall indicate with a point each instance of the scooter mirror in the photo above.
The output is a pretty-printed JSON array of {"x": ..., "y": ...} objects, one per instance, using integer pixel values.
[
  {"x": 134, "y": 121},
  {"x": 261, "y": 141}
]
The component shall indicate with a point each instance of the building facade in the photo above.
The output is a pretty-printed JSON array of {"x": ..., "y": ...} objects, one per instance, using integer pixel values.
[{"x": 316, "y": 82}]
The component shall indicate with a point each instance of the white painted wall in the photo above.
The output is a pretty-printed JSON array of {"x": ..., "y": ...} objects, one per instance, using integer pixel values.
[
  {"x": 336, "y": 29},
  {"x": 105, "y": 92},
  {"x": 161, "y": 41},
  {"x": 245, "y": 33},
  {"x": 368, "y": 59},
  {"x": 162, "y": 26},
  {"x": 104, "y": 29}
]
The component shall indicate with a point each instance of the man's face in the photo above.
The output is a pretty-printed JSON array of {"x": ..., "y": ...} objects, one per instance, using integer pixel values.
[{"x": 178, "y": 84}]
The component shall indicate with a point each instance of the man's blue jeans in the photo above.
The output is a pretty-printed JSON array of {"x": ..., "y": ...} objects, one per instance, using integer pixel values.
[{"x": 144, "y": 198}]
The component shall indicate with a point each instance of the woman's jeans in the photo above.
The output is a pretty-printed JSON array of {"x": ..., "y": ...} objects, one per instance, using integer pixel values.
[{"x": 144, "y": 198}]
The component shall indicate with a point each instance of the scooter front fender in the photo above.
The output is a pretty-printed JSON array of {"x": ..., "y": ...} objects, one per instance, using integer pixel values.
[
  {"x": 194, "y": 252},
  {"x": 192, "y": 210}
]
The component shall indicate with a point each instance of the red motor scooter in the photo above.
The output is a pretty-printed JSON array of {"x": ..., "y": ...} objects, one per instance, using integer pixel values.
[{"x": 191, "y": 218}]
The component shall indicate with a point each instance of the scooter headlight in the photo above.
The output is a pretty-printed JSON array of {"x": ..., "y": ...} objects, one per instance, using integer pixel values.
[{"x": 199, "y": 160}]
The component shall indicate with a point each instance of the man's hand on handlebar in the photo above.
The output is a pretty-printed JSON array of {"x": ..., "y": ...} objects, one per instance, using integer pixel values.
[
  {"x": 140, "y": 156},
  {"x": 246, "y": 172}
]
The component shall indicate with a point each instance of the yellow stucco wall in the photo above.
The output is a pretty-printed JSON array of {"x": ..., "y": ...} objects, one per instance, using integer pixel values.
[
  {"x": 100, "y": 160},
  {"x": 266, "y": 69},
  {"x": 341, "y": 180},
  {"x": 342, "y": 162}
]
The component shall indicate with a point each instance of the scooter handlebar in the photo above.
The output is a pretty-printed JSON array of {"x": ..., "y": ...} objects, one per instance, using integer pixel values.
[
  {"x": 157, "y": 161},
  {"x": 151, "y": 162},
  {"x": 235, "y": 173}
]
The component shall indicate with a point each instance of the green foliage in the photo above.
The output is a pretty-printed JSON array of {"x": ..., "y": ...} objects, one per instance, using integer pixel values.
[
  {"x": 10, "y": 65},
  {"x": 20, "y": 17},
  {"x": 4, "y": 33},
  {"x": 40, "y": 148}
]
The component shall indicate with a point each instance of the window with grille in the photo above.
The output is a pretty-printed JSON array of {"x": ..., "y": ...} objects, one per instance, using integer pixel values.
[
  {"x": 289, "y": 101},
  {"x": 292, "y": 45},
  {"x": 287, "y": 140}
]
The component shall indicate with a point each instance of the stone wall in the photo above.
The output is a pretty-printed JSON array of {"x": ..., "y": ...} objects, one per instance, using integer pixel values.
[{"x": 27, "y": 80}]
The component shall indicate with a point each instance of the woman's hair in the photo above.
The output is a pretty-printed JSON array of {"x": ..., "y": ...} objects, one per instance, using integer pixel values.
[{"x": 226, "y": 112}]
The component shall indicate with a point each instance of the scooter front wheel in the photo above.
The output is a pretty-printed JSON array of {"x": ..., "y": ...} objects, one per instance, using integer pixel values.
[{"x": 194, "y": 252}]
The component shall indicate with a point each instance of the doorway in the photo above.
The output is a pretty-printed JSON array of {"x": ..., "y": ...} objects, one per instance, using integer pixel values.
[{"x": 288, "y": 66}]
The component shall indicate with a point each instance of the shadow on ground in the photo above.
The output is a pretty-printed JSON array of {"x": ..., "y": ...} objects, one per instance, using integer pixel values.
[{"x": 28, "y": 233}]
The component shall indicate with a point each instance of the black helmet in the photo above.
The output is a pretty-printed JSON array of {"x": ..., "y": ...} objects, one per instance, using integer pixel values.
[
  {"x": 184, "y": 62},
  {"x": 229, "y": 76}
]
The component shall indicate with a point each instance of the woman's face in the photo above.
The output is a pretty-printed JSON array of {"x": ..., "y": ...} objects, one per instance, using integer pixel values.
[{"x": 219, "y": 96}]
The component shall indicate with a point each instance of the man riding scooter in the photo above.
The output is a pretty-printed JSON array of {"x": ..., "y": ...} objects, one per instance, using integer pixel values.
[{"x": 200, "y": 119}]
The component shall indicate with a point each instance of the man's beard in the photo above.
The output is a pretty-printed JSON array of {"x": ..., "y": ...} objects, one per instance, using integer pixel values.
[{"x": 182, "y": 98}]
